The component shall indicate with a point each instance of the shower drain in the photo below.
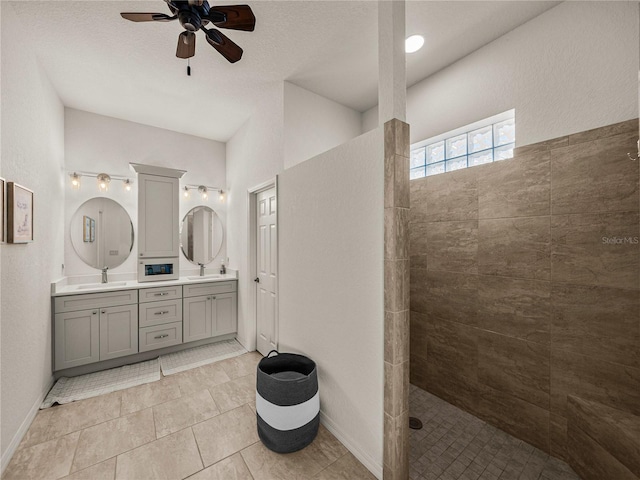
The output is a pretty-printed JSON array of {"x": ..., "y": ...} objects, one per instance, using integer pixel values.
[{"x": 415, "y": 423}]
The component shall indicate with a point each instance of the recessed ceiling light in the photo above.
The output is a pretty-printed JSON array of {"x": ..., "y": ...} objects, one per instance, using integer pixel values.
[{"x": 413, "y": 43}]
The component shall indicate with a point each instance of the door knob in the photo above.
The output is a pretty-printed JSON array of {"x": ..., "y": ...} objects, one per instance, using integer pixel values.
[{"x": 257, "y": 280}]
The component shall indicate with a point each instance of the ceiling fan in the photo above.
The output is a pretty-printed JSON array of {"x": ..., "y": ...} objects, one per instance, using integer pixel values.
[{"x": 194, "y": 15}]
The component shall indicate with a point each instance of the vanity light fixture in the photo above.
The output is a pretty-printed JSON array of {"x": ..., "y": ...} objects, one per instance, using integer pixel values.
[
  {"x": 75, "y": 181},
  {"x": 203, "y": 190},
  {"x": 103, "y": 182}
]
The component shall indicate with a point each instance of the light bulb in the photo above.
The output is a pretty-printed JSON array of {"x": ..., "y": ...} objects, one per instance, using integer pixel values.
[
  {"x": 413, "y": 43},
  {"x": 103, "y": 182},
  {"x": 221, "y": 196},
  {"x": 127, "y": 185},
  {"x": 75, "y": 181},
  {"x": 186, "y": 192},
  {"x": 203, "y": 191}
]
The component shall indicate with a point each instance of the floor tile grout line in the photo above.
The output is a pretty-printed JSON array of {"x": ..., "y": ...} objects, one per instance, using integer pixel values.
[
  {"x": 120, "y": 400},
  {"x": 151, "y": 441},
  {"x": 195, "y": 440},
  {"x": 75, "y": 452},
  {"x": 323, "y": 469}
]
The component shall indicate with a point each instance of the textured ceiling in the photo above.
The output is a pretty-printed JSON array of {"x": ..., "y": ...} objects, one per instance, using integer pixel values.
[{"x": 100, "y": 63}]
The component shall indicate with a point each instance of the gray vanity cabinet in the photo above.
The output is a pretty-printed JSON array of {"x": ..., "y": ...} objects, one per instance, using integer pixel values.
[
  {"x": 224, "y": 318},
  {"x": 198, "y": 317},
  {"x": 210, "y": 310},
  {"x": 118, "y": 331},
  {"x": 160, "y": 317},
  {"x": 77, "y": 338},
  {"x": 158, "y": 219},
  {"x": 93, "y": 327}
]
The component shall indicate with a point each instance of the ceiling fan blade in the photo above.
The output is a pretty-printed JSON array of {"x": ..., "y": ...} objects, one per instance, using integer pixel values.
[
  {"x": 223, "y": 45},
  {"x": 186, "y": 45},
  {"x": 147, "y": 17},
  {"x": 237, "y": 17}
]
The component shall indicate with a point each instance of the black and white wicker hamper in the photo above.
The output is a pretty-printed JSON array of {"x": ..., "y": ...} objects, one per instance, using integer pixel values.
[{"x": 287, "y": 401}]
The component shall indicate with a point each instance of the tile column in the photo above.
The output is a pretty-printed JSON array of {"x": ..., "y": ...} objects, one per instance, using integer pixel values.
[{"x": 396, "y": 300}]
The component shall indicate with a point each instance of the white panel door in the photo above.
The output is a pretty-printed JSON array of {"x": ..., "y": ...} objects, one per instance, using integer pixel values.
[{"x": 267, "y": 271}]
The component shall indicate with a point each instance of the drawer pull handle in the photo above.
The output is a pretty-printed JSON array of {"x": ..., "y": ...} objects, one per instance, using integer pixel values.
[
  {"x": 95, "y": 312},
  {"x": 162, "y": 336},
  {"x": 164, "y": 312},
  {"x": 104, "y": 311},
  {"x": 160, "y": 294}
]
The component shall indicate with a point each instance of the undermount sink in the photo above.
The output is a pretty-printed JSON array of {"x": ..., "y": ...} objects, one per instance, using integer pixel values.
[
  {"x": 205, "y": 277},
  {"x": 101, "y": 285}
]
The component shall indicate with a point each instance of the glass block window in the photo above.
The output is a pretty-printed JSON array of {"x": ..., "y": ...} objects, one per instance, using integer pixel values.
[{"x": 489, "y": 140}]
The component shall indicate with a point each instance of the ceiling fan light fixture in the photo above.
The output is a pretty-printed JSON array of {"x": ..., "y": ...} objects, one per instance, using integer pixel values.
[{"x": 413, "y": 43}]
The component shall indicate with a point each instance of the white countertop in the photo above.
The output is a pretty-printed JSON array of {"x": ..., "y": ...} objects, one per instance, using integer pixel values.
[{"x": 65, "y": 286}]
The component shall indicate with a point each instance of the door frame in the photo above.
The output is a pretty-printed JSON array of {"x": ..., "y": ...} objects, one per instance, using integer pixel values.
[{"x": 252, "y": 288}]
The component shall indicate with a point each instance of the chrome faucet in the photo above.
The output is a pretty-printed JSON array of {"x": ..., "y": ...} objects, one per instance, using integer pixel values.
[
  {"x": 201, "y": 269},
  {"x": 104, "y": 274}
]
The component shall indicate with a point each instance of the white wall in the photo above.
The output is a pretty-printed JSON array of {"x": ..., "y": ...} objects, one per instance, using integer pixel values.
[
  {"x": 254, "y": 156},
  {"x": 33, "y": 156},
  {"x": 314, "y": 124},
  {"x": 96, "y": 143},
  {"x": 571, "y": 69},
  {"x": 331, "y": 242}
]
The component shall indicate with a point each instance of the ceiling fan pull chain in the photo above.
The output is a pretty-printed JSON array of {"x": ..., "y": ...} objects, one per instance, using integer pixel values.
[{"x": 188, "y": 67}]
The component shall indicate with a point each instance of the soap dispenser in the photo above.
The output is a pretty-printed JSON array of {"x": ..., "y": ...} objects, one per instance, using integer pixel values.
[{"x": 223, "y": 269}]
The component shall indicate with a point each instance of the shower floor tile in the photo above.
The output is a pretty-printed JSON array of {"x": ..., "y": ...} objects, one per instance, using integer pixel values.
[{"x": 455, "y": 445}]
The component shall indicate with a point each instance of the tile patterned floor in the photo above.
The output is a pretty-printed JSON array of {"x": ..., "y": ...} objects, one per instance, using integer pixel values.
[
  {"x": 198, "y": 424},
  {"x": 454, "y": 444}
]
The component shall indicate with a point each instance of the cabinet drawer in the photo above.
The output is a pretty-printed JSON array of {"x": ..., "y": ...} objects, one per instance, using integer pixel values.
[
  {"x": 196, "y": 289},
  {"x": 160, "y": 293},
  {"x": 160, "y": 336},
  {"x": 86, "y": 301},
  {"x": 159, "y": 313}
]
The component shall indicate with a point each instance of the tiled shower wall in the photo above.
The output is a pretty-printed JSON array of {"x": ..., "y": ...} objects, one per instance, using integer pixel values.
[{"x": 525, "y": 283}]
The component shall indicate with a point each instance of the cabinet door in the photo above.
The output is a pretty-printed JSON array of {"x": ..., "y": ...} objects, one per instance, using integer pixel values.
[
  {"x": 196, "y": 318},
  {"x": 158, "y": 228},
  {"x": 118, "y": 331},
  {"x": 76, "y": 338},
  {"x": 225, "y": 314}
]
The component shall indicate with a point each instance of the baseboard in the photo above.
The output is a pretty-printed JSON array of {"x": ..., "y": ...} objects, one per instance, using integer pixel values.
[
  {"x": 17, "y": 438},
  {"x": 374, "y": 467}
]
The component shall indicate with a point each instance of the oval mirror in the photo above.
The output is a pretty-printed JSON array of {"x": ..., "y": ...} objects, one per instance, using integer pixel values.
[
  {"x": 201, "y": 235},
  {"x": 102, "y": 233}
]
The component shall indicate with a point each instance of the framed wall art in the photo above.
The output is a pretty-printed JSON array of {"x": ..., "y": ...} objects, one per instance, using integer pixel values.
[
  {"x": 93, "y": 231},
  {"x": 19, "y": 213}
]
